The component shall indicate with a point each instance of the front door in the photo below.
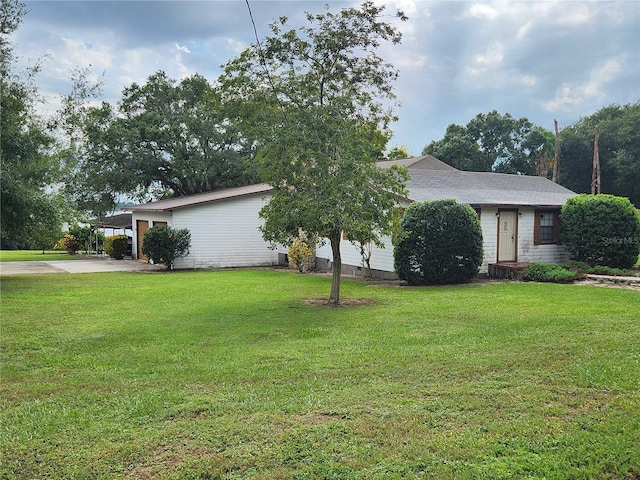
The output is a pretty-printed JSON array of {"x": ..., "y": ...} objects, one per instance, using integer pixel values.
[
  {"x": 507, "y": 236},
  {"x": 141, "y": 226}
]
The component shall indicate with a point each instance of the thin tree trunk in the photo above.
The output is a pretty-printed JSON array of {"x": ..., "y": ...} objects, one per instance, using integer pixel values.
[
  {"x": 595, "y": 173},
  {"x": 334, "y": 296},
  {"x": 556, "y": 155}
]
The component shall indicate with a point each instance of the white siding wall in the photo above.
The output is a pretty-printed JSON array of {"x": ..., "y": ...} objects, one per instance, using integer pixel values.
[
  {"x": 489, "y": 225},
  {"x": 149, "y": 217},
  {"x": 225, "y": 234},
  {"x": 528, "y": 252},
  {"x": 382, "y": 259}
]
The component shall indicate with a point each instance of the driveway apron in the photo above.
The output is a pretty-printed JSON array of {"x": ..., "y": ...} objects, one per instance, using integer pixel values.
[{"x": 75, "y": 266}]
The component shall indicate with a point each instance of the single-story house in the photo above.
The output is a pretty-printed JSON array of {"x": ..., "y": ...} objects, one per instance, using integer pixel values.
[
  {"x": 223, "y": 224},
  {"x": 519, "y": 216}
]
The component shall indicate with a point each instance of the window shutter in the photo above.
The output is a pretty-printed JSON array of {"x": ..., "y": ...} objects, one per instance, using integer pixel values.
[{"x": 536, "y": 227}]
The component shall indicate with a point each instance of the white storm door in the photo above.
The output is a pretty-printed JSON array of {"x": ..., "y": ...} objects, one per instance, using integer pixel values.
[{"x": 507, "y": 240}]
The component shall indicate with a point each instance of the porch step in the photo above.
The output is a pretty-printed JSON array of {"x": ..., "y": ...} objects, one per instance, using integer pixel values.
[{"x": 508, "y": 270}]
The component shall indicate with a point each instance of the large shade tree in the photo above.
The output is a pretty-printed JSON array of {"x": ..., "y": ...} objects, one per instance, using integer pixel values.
[
  {"x": 619, "y": 152},
  {"x": 494, "y": 142},
  {"x": 27, "y": 167},
  {"x": 316, "y": 102},
  {"x": 164, "y": 138}
]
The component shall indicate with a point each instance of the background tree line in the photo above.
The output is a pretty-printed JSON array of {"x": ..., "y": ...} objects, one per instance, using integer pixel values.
[
  {"x": 495, "y": 142},
  {"x": 170, "y": 138}
]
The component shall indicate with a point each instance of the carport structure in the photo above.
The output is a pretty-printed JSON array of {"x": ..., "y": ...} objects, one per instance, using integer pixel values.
[{"x": 119, "y": 224}]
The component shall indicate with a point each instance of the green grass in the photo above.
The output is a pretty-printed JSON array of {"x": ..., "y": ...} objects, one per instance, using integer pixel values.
[
  {"x": 230, "y": 375},
  {"x": 36, "y": 255}
]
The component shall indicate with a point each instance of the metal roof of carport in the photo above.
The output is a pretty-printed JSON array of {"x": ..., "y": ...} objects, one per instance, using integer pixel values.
[{"x": 119, "y": 221}]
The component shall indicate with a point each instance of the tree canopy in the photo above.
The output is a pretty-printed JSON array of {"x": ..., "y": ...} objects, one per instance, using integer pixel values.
[
  {"x": 494, "y": 142},
  {"x": 29, "y": 210},
  {"x": 501, "y": 143},
  {"x": 164, "y": 138},
  {"x": 313, "y": 99},
  {"x": 619, "y": 151}
]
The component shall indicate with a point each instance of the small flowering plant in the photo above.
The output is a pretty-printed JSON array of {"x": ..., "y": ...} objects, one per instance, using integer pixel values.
[{"x": 69, "y": 243}]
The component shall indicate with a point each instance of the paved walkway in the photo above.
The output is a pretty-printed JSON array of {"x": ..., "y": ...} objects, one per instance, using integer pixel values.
[
  {"x": 612, "y": 278},
  {"x": 90, "y": 265}
]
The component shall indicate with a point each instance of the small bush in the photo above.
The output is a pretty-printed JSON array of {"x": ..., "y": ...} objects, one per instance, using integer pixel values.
[
  {"x": 548, "y": 272},
  {"x": 301, "y": 252},
  {"x": 68, "y": 243},
  {"x": 166, "y": 244},
  {"x": 582, "y": 267},
  {"x": 438, "y": 242},
  {"x": 300, "y": 256},
  {"x": 602, "y": 270},
  {"x": 576, "y": 266},
  {"x": 116, "y": 246}
]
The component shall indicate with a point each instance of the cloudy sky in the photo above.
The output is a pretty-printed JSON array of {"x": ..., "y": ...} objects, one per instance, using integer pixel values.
[{"x": 536, "y": 59}]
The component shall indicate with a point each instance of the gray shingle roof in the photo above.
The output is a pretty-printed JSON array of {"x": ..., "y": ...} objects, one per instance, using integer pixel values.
[
  {"x": 426, "y": 162},
  {"x": 432, "y": 179},
  {"x": 484, "y": 188}
]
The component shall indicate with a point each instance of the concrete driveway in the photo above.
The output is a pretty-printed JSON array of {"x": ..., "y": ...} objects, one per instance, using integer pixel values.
[{"x": 89, "y": 265}]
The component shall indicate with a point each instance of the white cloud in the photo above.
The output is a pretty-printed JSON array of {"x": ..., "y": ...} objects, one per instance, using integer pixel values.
[
  {"x": 77, "y": 53},
  {"x": 484, "y": 10},
  {"x": 418, "y": 61},
  {"x": 182, "y": 49},
  {"x": 235, "y": 45},
  {"x": 137, "y": 64},
  {"x": 492, "y": 57},
  {"x": 485, "y": 67},
  {"x": 524, "y": 30},
  {"x": 528, "y": 80},
  {"x": 574, "y": 94},
  {"x": 575, "y": 14},
  {"x": 183, "y": 70},
  {"x": 456, "y": 59}
]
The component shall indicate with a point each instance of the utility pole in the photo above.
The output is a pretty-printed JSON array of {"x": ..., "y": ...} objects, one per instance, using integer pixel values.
[
  {"x": 556, "y": 155},
  {"x": 595, "y": 173}
]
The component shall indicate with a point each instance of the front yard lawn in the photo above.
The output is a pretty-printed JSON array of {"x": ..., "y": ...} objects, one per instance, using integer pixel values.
[
  {"x": 232, "y": 374},
  {"x": 36, "y": 255}
]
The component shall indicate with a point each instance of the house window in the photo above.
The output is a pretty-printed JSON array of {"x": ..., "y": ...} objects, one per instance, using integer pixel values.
[{"x": 547, "y": 226}]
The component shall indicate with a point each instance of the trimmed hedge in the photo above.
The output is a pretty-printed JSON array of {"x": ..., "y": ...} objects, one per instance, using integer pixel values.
[
  {"x": 116, "y": 246},
  {"x": 601, "y": 230},
  {"x": 438, "y": 242}
]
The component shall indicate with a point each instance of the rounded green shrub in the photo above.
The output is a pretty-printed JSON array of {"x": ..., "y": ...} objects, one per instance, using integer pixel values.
[
  {"x": 601, "y": 230},
  {"x": 116, "y": 246},
  {"x": 166, "y": 244},
  {"x": 438, "y": 242}
]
